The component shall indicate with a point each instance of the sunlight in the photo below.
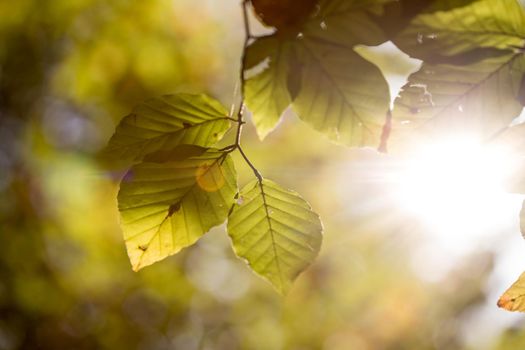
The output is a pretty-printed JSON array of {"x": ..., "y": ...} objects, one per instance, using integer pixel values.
[{"x": 455, "y": 185}]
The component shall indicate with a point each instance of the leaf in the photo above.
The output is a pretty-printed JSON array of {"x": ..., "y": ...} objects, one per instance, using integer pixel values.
[
  {"x": 180, "y": 152},
  {"x": 514, "y": 298},
  {"x": 342, "y": 94},
  {"x": 449, "y": 28},
  {"x": 333, "y": 88},
  {"x": 266, "y": 93},
  {"x": 163, "y": 123},
  {"x": 347, "y": 22},
  {"x": 398, "y": 14},
  {"x": 479, "y": 98},
  {"x": 165, "y": 207},
  {"x": 276, "y": 231}
]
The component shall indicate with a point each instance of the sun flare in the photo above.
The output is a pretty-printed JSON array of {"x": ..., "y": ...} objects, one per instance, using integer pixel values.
[{"x": 454, "y": 183}]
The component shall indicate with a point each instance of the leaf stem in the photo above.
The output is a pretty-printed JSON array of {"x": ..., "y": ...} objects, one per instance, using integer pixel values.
[
  {"x": 254, "y": 169},
  {"x": 240, "y": 113}
]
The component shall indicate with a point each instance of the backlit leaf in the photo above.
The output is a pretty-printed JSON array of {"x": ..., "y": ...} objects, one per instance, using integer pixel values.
[
  {"x": 276, "y": 231},
  {"x": 449, "y": 28},
  {"x": 514, "y": 298},
  {"x": 266, "y": 92},
  {"x": 163, "y": 123},
  {"x": 349, "y": 98},
  {"x": 341, "y": 94},
  {"x": 165, "y": 207},
  {"x": 479, "y": 98},
  {"x": 346, "y": 22},
  {"x": 332, "y": 88}
]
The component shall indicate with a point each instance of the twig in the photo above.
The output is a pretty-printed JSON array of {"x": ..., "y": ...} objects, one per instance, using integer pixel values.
[{"x": 240, "y": 113}]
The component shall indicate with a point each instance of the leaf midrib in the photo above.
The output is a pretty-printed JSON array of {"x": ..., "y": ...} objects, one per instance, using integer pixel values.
[
  {"x": 171, "y": 133},
  {"x": 274, "y": 247},
  {"x": 474, "y": 87},
  {"x": 328, "y": 75},
  {"x": 179, "y": 201}
]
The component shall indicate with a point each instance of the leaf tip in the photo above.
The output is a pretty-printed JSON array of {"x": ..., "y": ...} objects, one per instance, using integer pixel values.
[
  {"x": 506, "y": 302},
  {"x": 135, "y": 267},
  {"x": 262, "y": 133},
  {"x": 283, "y": 291}
]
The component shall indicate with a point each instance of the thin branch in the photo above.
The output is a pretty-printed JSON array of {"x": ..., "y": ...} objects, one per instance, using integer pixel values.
[
  {"x": 247, "y": 37},
  {"x": 240, "y": 122},
  {"x": 255, "y": 171},
  {"x": 240, "y": 113},
  {"x": 228, "y": 149}
]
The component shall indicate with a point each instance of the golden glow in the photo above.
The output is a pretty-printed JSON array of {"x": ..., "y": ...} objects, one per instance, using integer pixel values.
[{"x": 455, "y": 184}]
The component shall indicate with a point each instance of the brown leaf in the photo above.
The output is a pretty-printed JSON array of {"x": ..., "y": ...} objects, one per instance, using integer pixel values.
[{"x": 283, "y": 14}]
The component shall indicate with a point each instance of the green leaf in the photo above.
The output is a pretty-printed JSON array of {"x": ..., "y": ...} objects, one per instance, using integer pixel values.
[
  {"x": 266, "y": 92},
  {"x": 398, "y": 14},
  {"x": 165, "y": 207},
  {"x": 479, "y": 99},
  {"x": 161, "y": 124},
  {"x": 449, "y": 28},
  {"x": 276, "y": 231},
  {"x": 333, "y": 88},
  {"x": 342, "y": 94},
  {"x": 514, "y": 298},
  {"x": 180, "y": 152},
  {"x": 347, "y": 22}
]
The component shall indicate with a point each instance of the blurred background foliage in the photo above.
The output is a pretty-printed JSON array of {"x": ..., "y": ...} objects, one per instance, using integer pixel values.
[{"x": 69, "y": 70}]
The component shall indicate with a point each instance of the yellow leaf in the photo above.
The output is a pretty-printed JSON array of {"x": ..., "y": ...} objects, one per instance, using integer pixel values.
[{"x": 514, "y": 298}]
